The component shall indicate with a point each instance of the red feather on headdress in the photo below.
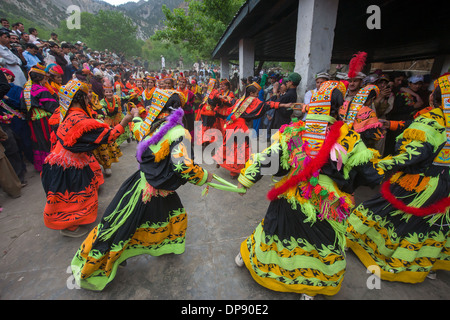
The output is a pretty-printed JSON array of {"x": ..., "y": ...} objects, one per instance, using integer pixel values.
[{"x": 357, "y": 64}]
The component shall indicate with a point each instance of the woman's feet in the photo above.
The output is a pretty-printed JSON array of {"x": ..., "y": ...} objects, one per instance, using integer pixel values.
[
  {"x": 123, "y": 264},
  {"x": 239, "y": 261},
  {"x": 78, "y": 232}
]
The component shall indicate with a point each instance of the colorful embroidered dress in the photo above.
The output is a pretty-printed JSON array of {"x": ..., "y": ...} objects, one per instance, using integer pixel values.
[
  {"x": 146, "y": 216},
  {"x": 235, "y": 149},
  {"x": 106, "y": 154},
  {"x": 362, "y": 118},
  {"x": 113, "y": 115},
  {"x": 222, "y": 109},
  {"x": 405, "y": 231},
  {"x": 38, "y": 104},
  {"x": 298, "y": 247},
  {"x": 147, "y": 97},
  {"x": 207, "y": 115}
]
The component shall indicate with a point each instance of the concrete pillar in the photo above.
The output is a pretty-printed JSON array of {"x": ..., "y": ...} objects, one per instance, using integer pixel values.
[
  {"x": 315, "y": 37},
  {"x": 246, "y": 58},
  {"x": 446, "y": 65},
  {"x": 441, "y": 65},
  {"x": 224, "y": 68}
]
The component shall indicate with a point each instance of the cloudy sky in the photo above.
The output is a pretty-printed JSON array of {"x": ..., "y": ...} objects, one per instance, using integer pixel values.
[{"x": 117, "y": 2}]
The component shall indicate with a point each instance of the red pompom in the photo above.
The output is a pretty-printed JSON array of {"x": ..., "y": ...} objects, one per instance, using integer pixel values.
[{"x": 345, "y": 82}]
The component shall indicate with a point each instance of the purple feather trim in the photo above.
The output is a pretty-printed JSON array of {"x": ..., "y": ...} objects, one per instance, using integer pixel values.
[{"x": 176, "y": 118}]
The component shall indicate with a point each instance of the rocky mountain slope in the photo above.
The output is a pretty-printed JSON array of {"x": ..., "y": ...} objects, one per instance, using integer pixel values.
[{"x": 146, "y": 14}]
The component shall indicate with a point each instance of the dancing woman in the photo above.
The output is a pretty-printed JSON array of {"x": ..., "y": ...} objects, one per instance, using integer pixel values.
[
  {"x": 234, "y": 151},
  {"x": 71, "y": 175},
  {"x": 299, "y": 245},
  {"x": 405, "y": 231},
  {"x": 146, "y": 216},
  {"x": 38, "y": 103}
]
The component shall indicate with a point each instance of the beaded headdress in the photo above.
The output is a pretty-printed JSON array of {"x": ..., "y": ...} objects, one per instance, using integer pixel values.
[
  {"x": 66, "y": 94},
  {"x": 349, "y": 112},
  {"x": 443, "y": 83},
  {"x": 318, "y": 117}
]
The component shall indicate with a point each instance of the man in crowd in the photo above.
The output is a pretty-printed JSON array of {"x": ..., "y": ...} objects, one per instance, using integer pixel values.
[
  {"x": 56, "y": 56},
  {"x": 54, "y": 38},
  {"x": 24, "y": 39},
  {"x": 283, "y": 116},
  {"x": 17, "y": 49},
  {"x": 354, "y": 85},
  {"x": 10, "y": 60},
  {"x": 18, "y": 28},
  {"x": 4, "y": 25},
  {"x": 33, "y": 35},
  {"x": 70, "y": 69}
]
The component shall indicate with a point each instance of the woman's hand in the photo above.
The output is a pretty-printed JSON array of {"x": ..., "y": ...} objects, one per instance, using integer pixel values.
[
  {"x": 128, "y": 118},
  {"x": 240, "y": 186},
  {"x": 134, "y": 112},
  {"x": 386, "y": 123},
  {"x": 286, "y": 105}
]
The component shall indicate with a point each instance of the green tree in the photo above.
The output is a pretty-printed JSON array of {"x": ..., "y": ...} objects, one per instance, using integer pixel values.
[
  {"x": 200, "y": 27},
  {"x": 113, "y": 30},
  {"x": 105, "y": 30},
  {"x": 82, "y": 34}
]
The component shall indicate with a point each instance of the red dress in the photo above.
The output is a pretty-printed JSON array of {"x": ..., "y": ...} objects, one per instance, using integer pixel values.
[
  {"x": 235, "y": 150},
  {"x": 222, "y": 109},
  {"x": 207, "y": 116}
]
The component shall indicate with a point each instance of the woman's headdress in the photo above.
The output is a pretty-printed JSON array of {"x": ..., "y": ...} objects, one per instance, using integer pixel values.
[
  {"x": 443, "y": 82},
  {"x": 319, "y": 116},
  {"x": 349, "y": 113},
  {"x": 66, "y": 94}
]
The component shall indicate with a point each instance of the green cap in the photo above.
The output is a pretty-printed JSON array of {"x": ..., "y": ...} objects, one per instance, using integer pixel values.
[{"x": 295, "y": 78}]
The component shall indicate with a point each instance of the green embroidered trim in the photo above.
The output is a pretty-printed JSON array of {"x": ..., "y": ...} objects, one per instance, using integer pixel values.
[
  {"x": 434, "y": 132},
  {"x": 172, "y": 135},
  {"x": 321, "y": 117}
]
